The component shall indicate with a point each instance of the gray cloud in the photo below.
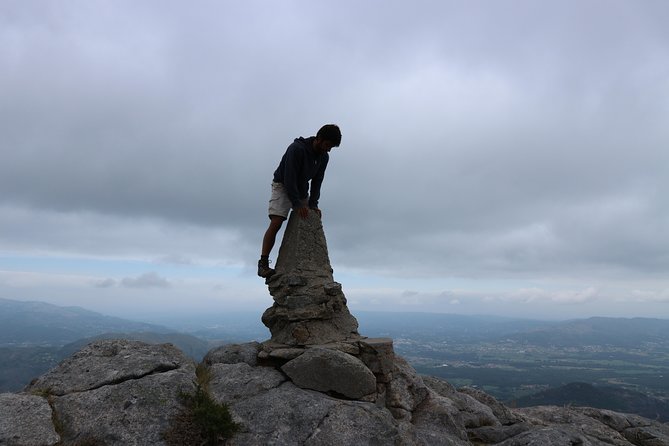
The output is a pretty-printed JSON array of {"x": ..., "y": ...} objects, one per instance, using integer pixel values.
[
  {"x": 481, "y": 140},
  {"x": 147, "y": 280},
  {"x": 106, "y": 283},
  {"x": 175, "y": 259}
]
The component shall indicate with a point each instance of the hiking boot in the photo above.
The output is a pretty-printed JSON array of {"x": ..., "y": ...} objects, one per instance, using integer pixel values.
[{"x": 263, "y": 269}]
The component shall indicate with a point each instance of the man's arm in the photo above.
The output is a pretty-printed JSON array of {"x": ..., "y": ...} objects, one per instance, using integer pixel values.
[
  {"x": 317, "y": 180},
  {"x": 292, "y": 161}
]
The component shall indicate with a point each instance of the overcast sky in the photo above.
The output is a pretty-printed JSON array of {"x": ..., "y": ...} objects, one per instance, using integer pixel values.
[{"x": 498, "y": 157}]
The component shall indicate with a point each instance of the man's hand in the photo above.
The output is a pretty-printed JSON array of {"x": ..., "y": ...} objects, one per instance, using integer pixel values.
[{"x": 303, "y": 212}]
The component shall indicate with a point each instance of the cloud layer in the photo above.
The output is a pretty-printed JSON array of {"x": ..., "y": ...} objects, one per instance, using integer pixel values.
[{"x": 482, "y": 141}]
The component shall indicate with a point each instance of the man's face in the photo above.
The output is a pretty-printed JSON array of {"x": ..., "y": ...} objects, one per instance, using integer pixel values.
[{"x": 323, "y": 145}]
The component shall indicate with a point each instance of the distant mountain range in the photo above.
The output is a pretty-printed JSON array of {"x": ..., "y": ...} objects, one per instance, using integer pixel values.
[
  {"x": 452, "y": 326},
  {"x": 42, "y": 324},
  {"x": 35, "y": 336},
  {"x": 620, "y": 332}
]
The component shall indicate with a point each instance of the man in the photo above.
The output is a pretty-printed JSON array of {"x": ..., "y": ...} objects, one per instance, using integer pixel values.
[{"x": 305, "y": 160}]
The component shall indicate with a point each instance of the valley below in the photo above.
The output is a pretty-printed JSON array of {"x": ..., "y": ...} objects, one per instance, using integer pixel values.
[{"x": 607, "y": 363}]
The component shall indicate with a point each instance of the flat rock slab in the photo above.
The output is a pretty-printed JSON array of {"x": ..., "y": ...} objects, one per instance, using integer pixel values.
[
  {"x": 352, "y": 348},
  {"x": 634, "y": 428},
  {"x": 109, "y": 362},
  {"x": 378, "y": 354},
  {"x": 234, "y": 382},
  {"x": 135, "y": 412},
  {"x": 26, "y": 420},
  {"x": 331, "y": 371},
  {"x": 359, "y": 424},
  {"x": 286, "y": 353},
  {"x": 501, "y": 412},
  {"x": 288, "y": 415},
  {"x": 553, "y": 436},
  {"x": 233, "y": 354},
  {"x": 618, "y": 429}
]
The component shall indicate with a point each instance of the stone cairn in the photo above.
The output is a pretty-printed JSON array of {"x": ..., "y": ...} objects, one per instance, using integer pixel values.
[{"x": 309, "y": 314}]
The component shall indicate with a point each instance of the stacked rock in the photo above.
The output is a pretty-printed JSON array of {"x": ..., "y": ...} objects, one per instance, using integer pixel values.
[
  {"x": 309, "y": 306},
  {"x": 309, "y": 314}
]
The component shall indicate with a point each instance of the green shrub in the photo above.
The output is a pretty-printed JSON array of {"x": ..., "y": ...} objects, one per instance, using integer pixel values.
[
  {"x": 202, "y": 421},
  {"x": 213, "y": 419},
  {"x": 203, "y": 375}
]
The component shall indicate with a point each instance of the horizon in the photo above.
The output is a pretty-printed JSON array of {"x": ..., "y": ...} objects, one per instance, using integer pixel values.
[
  {"x": 175, "y": 317},
  {"x": 507, "y": 159}
]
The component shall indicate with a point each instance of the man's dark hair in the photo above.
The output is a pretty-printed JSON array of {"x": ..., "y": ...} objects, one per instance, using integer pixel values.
[{"x": 330, "y": 132}]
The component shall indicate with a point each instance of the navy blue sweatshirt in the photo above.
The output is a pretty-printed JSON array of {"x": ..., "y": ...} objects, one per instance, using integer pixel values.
[{"x": 298, "y": 165}]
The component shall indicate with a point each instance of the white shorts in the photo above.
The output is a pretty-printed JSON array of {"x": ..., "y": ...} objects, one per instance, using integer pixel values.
[{"x": 279, "y": 203}]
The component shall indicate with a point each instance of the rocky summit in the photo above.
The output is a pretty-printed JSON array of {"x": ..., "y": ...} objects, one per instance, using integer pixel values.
[{"x": 317, "y": 381}]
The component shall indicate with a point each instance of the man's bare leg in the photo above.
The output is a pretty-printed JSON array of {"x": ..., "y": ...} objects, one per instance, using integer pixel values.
[{"x": 268, "y": 241}]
